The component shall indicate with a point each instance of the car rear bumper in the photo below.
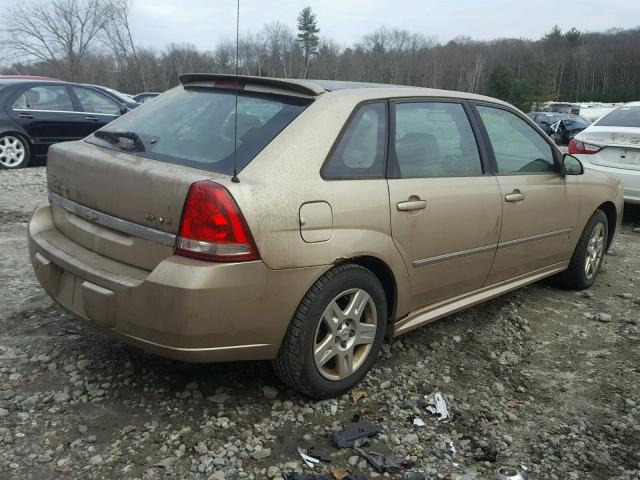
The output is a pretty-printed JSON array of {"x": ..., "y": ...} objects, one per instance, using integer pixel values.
[
  {"x": 183, "y": 309},
  {"x": 630, "y": 179}
]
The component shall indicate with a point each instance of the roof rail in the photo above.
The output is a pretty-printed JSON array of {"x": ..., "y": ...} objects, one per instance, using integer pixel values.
[{"x": 299, "y": 86}]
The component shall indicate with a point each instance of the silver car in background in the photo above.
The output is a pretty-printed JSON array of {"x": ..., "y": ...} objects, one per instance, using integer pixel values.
[{"x": 612, "y": 145}]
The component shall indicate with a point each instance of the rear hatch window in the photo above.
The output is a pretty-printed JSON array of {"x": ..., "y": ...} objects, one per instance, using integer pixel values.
[
  {"x": 195, "y": 126},
  {"x": 625, "y": 116}
]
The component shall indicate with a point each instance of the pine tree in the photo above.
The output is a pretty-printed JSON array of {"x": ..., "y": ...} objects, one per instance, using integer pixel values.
[
  {"x": 308, "y": 36},
  {"x": 573, "y": 36}
]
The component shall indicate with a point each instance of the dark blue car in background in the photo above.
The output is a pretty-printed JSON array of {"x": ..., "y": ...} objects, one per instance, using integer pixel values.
[{"x": 561, "y": 127}]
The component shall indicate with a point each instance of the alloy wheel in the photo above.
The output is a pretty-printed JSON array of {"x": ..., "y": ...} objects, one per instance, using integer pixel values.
[
  {"x": 595, "y": 250},
  {"x": 12, "y": 151},
  {"x": 345, "y": 334}
]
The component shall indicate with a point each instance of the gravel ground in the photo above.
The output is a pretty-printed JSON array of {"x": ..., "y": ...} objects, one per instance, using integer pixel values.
[{"x": 543, "y": 379}]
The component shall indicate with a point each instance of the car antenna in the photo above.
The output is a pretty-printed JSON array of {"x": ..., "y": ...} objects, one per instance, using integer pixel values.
[{"x": 235, "y": 178}]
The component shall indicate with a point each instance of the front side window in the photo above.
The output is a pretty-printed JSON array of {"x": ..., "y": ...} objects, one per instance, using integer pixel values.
[
  {"x": 434, "y": 140},
  {"x": 517, "y": 147},
  {"x": 93, "y": 102},
  {"x": 360, "y": 151},
  {"x": 46, "y": 97},
  {"x": 196, "y": 126}
]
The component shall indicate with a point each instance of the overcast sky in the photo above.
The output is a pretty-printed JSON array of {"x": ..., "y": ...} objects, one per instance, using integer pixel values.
[{"x": 204, "y": 22}]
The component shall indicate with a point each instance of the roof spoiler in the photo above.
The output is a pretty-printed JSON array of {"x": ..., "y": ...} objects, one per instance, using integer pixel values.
[{"x": 299, "y": 86}]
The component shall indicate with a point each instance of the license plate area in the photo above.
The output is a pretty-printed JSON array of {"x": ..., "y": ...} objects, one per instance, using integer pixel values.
[
  {"x": 631, "y": 157},
  {"x": 85, "y": 299}
]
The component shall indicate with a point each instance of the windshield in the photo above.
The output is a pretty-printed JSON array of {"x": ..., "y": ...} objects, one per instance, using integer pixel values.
[
  {"x": 624, "y": 116},
  {"x": 195, "y": 126}
]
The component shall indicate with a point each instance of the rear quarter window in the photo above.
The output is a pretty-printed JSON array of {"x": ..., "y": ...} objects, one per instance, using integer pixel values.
[{"x": 360, "y": 149}]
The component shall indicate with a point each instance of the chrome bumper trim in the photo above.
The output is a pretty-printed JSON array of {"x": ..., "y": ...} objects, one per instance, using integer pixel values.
[{"x": 114, "y": 223}]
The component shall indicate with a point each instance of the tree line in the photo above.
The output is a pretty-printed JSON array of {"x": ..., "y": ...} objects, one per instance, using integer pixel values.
[{"x": 92, "y": 41}]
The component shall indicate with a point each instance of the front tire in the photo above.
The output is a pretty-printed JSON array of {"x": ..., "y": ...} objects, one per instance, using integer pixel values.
[
  {"x": 557, "y": 138},
  {"x": 14, "y": 152},
  {"x": 587, "y": 257},
  {"x": 336, "y": 333}
]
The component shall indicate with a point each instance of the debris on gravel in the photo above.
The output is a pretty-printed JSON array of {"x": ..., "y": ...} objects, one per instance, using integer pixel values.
[{"x": 539, "y": 377}]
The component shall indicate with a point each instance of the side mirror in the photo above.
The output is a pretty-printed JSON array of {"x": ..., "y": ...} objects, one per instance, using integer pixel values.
[
  {"x": 123, "y": 109},
  {"x": 571, "y": 165}
]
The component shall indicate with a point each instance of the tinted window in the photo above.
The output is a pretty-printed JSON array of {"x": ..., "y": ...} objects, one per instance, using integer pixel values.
[
  {"x": 625, "y": 116},
  {"x": 360, "y": 151},
  {"x": 49, "y": 97},
  {"x": 195, "y": 126},
  {"x": 434, "y": 140},
  {"x": 516, "y": 145},
  {"x": 94, "y": 102}
]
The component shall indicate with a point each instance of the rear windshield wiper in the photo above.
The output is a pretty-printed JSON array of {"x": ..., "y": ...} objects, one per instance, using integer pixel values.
[{"x": 125, "y": 140}]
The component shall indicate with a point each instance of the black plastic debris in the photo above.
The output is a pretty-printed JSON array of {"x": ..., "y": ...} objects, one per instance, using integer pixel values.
[
  {"x": 322, "y": 476},
  {"x": 414, "y": 476},
  {"x": 378, "y": 461},
  {"x": 485, "y": 455},
  {"x": 347, "y": 437},
  {"x": 306, "y": 476}
]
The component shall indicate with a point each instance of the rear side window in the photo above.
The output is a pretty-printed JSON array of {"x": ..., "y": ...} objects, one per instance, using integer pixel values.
[
  {"x": 48, "y": 98},
  {"x": 360, "y": 150},
  {"x": 624, "y": 116},
  {"x": 517, "y": 146},
  {"x": 195, "y": 126},
  {"x": 434, "y": 140}
]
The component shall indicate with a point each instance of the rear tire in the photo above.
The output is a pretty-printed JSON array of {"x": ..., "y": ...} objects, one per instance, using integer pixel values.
[
  {"x": 14, "y": 151},
  {"x": 336, "y": 333},
  {"x": 588, "y": 254}
]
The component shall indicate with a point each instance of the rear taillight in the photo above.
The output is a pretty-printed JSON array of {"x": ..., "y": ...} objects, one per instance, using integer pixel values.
[
  {"x": 213, "y": 228},
  {"x": 576, "y": 146}
]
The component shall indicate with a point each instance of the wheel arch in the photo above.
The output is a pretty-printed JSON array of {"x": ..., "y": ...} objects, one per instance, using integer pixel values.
[
  {"x": 609, "y": 210},
  {"x": 18, "y": 133},
  {"x": 11, "y": 127}
]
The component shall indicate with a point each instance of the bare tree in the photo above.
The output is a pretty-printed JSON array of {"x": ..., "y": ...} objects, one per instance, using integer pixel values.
[
  {"x": 117, "y": 36},
  {"x": 59, "y": 32}
]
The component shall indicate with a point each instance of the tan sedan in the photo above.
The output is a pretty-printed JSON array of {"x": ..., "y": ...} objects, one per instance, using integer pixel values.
[{"x": 309, "y": 220}]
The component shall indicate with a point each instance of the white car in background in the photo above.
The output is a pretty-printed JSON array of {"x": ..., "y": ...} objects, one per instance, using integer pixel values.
[{"x": 612, "y": 145}]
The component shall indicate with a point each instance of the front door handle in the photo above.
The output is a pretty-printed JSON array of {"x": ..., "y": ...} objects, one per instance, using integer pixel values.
[
  {"x": 91, "y": 117},
  {"x": 515, "y": 196},
  {"x": 412, "y": 205},
  {"x": 26, "y": 115}
]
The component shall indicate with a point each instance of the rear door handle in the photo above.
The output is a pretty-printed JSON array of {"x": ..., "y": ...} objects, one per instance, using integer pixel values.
[
  {"x": 412, "y": 205},
  {"x": 515, "y": 196},
  {"x": 91, "y": 117},
  {"x": 26, "y": 115}
]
